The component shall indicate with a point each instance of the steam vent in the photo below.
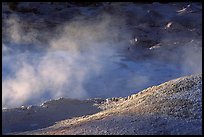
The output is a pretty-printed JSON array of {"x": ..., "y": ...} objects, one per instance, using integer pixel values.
[{"x": 101, "y": 68}]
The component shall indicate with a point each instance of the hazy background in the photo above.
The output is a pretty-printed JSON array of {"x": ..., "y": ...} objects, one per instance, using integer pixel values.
[{"x": 88, "y": 56}]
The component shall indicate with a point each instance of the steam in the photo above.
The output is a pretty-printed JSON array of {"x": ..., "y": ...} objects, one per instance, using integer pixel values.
[
  {"x": 80, "y": 51},
  {"x": 17, "y": 33},
  {"x": 192, "y": 58},
  {"x": 82, "y": 59}
]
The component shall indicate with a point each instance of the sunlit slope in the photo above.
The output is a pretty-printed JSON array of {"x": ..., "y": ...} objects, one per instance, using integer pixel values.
[{"x": 174, "y": 107}]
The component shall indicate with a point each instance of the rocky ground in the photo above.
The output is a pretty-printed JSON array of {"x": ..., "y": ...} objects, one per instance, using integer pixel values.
[
  {"x": 139, "y": 44},
  {"x": 151, "y": 25},
  {"x": 172, "y": 108}
]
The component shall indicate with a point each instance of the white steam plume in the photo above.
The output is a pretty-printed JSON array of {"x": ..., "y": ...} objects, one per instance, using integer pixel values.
[{"x": 82, "y": 59}]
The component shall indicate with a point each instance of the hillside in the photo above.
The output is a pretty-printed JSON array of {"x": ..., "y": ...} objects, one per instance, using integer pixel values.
[
  {"x": 174, "y": 107},
  {"x": 98, "y": 68}
]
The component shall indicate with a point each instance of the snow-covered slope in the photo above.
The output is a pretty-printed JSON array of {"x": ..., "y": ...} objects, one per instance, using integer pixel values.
[{"x": 174, "y": 107}]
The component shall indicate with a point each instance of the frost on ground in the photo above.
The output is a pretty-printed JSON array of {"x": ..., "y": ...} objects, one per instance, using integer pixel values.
[
  {"x": 174, "y": 107},
  {"x": 104, "y": 50}
]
